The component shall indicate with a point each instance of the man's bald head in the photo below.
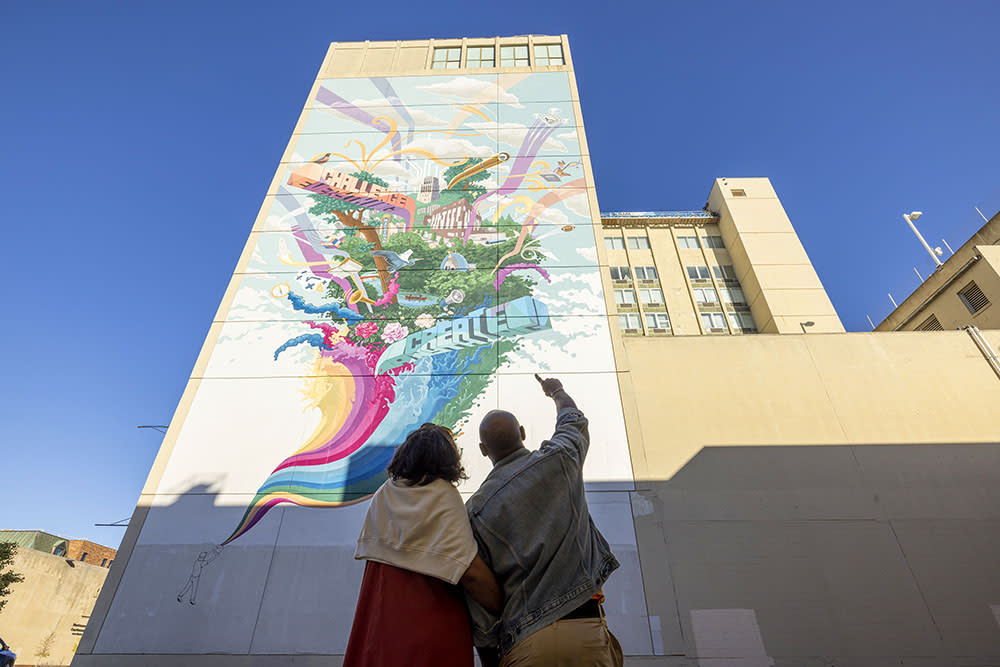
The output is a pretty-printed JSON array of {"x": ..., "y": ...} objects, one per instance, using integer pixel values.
[{"x": 500, "y": 434}]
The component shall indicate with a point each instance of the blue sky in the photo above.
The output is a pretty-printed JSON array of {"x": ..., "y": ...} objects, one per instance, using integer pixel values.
[{"x": 138, "y": 140}]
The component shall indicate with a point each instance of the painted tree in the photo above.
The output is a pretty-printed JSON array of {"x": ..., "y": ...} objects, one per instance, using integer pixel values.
[
  {"x": 468, "y": 187},
  {"x": 351, "y": 216},
  {"x": 7, "y": 576}
]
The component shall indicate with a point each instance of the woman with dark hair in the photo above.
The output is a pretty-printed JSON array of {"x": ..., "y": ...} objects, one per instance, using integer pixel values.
[{"x": 418, "y": 545}]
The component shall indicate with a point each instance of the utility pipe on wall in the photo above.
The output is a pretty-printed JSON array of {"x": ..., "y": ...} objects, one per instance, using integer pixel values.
[{"x": 984, "y": 346}]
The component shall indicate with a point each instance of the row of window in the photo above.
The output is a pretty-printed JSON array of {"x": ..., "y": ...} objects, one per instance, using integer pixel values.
[
  {"x": 479, "y": 57},
  {"x": 642, "y": 242},
  {"x": 641, "y": 273},
  {"x": 626, "y": 297},
  {"x": 653, "y": 321},
  {"x": 688, "y": 242},
  {"x": 702, "y": 295},
  {"x": 722, "y": 272},
  {"x": 733, "y": 295},
  {"x": 710, "y": 321},
  {"x": 634, "y": 243}
]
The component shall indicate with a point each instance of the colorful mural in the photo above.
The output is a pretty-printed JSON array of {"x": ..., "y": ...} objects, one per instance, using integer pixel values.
[
  {"x": 410, "y": 303},
  {"x": 427, "y": 245}
]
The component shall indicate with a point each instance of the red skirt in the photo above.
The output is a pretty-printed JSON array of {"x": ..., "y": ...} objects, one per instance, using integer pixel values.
[{"x": 406, "y": 618}]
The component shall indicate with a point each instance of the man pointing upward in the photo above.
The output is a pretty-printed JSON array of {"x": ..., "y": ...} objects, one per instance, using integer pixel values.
[{"x": 534, "y": 531}]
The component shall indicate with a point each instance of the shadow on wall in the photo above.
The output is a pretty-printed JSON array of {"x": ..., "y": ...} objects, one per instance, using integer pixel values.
[
  {"x": 289, "y": 584},
  {"x": 791, "y": 555}
]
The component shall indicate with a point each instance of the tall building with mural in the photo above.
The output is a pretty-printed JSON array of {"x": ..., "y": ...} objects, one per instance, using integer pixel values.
[{"x": 777, "y": 491}]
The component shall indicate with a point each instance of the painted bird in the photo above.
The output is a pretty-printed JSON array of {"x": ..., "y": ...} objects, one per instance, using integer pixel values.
[{"x": 397, "y": 262}]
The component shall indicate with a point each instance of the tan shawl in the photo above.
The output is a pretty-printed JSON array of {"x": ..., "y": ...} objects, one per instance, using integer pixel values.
[{"x": 424, "y": 529}]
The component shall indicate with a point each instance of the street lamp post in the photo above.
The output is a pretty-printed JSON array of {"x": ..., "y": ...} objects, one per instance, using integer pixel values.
[{"x": 933, "y": 252}]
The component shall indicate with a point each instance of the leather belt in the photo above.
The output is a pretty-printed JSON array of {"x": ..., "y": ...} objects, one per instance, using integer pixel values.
[{"x": 589, "y": 609}]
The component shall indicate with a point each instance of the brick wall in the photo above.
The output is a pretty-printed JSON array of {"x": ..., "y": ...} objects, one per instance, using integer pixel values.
[{"x": 97, "y": 554}]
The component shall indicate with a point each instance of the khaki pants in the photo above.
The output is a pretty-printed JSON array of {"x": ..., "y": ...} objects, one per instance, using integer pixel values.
[{"x": 580, "y": 642}]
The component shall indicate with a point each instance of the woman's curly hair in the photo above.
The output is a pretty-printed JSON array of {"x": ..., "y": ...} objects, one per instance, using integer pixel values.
[{"x": 427, "y": 454}]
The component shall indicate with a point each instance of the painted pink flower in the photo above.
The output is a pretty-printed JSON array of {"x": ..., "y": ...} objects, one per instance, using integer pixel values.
[
  {"x": 424, "y": 320},
  {"x": 365, "y": 329},
  {"x": 394, "y": 331}
]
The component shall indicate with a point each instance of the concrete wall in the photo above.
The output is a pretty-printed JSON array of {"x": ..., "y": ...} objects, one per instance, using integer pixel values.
[
  {"x": 777, "y": 276},
  {"x": 817, "y": 500},
  {"x": 55, "y": 598},
  {"x": 243, "y": 539}
]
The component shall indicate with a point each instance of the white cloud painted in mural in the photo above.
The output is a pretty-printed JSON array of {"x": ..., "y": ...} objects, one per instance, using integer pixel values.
[
  {"x": 451, "y": 149},
  {"x": 569, "y": 136},
  {"x": 381, "y": 107},
  {"x": 475, "y": 90},
  {"x": 513, "y": 134}
]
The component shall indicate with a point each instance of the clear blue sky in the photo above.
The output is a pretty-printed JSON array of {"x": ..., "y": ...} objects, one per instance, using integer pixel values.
[{"x": 137, "y": 140}]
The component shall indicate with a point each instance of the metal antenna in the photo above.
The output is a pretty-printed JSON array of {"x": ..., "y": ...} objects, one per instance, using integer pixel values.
[
  {"x": 162, "y": 428},
  {"x": 117, "y": 524}
]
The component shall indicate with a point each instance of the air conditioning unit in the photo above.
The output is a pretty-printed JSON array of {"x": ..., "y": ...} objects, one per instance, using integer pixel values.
[
  {"x": 653, "y": 305},
  {"x": 648, "y": 282},
  {"x": 717, "y": 330},
  {"x": 633, "y": 332},
  {"x": 660, "y": 331}
]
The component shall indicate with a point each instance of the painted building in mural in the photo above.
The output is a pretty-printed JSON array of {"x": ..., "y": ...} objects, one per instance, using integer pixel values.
[{"x": 760, "y": 474}]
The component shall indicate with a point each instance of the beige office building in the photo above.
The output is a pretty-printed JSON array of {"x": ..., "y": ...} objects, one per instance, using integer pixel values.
[
  {"x": 959, "y": 293},
  {"x": 778, "y": 491},
  {"x": 736, "y": 267}
]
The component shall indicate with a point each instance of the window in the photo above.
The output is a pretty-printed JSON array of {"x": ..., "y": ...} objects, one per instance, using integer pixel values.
[
  {"x": 742, "y": 321},
  {"x": 83, "y": 556},
  {"x": 60, "y": 550},
  {"x": 624, "y": 297},
  {"x": 931, "y": 324},
  {"x": 651, "y": 296},
  {"x": 705, "y": 295},
  {"x": 480, "y": 56},
  {"x": 973, "y": 298},
  {"x": 657, "y": 321},
  {"x": 448, "y": 57},
  {"x": 614, "y": 243},
  {"x": 698, "y": 273},
  {"x": 739, "y": 193},
  {"x": 713, "y": 321},
  {"x": 724, "y": 272},
  {"x": 638, "y": 243},
  {"x": 629, "y": 321},
  {"x": 714, "y": 242},
  {"x": 733, "y": 295},
  {"x": 548, "y": 54},
  {"x": 514, "y": 56},
  {"x": 688, "y": 242},
  {"x": 620, "y": 273},
  {"x": 111, "y": 563},
  {"x": 104, "y": 561},
  {"x": 646, "y": 273}
]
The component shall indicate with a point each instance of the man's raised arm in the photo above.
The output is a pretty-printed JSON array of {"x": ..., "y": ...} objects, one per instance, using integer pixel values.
[{"x": 553, "y": 389}]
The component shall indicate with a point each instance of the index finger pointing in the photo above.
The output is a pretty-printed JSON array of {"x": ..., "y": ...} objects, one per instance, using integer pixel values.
[{"x": 540, "y": 380}]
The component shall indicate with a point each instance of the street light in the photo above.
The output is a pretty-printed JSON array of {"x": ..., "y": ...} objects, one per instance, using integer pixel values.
[
  {"x": 935, "y": 252},
  {"x": 806, "y": 324}
]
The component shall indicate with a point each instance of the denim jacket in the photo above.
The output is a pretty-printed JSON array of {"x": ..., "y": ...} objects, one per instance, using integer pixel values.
[{"x": 534, "y": 530}]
